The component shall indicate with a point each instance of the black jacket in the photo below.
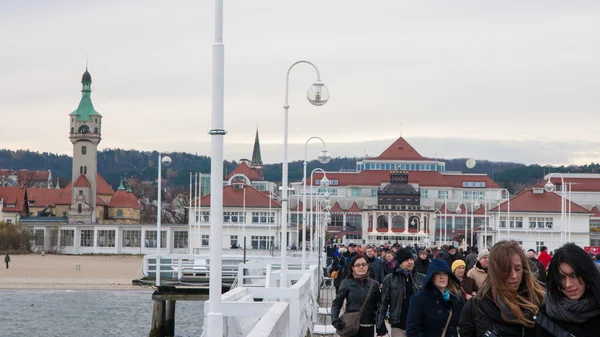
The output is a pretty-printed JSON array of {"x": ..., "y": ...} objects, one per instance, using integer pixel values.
[
  {"x": 422, "y": 265},
  {"x": 428, "y": 311},
  {"x": 481, "y": 315},
  {"x": 470, "y": 261},
  {"x": 376, "y": 269},
  {"x": 393, "y": 294},
  {"x": 547, "y": 327},
  {"x": 355, "y": 292},
  {"x": 541, "y": 272},
  {"x": 338, "y": 264}
]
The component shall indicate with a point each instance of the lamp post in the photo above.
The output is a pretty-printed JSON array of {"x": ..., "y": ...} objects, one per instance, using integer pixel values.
[
  {"x": 499, "y": 198},
  {"x": 435, "y": 223},
  {"x": 317, "y": 95},
  {"x": 166, "y": 160},
  {"x": 324, "y": 182},
  {"x": 550, "y": 187},
  {"x": 214, "y": 324},
  {"x": 323, "y": 159},
  {"x": 458, "y": 211},
  {"x": 476, "y": 206}
]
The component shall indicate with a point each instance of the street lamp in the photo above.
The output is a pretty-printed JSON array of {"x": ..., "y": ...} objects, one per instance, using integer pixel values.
[
  {"x": 166, "y": 160},
  {"x": 324, "y": 182},
  {"x": 317, "y": 95},
  {"x": 550, "y": 187},
  {"x": 435, "y": 223},
  {"x": 323, "y": 158},
  {"x": 476, "y": 206},
  {"x": 498, "y": 199},
  {"x": 458, "y": 211}
]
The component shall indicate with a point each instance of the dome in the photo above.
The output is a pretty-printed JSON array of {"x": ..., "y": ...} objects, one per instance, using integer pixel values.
[{"x": 86, "y": 77}]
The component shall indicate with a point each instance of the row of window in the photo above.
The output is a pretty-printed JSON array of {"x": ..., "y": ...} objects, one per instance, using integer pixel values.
[
  {"x": 238, "y": 217},
  {"x": 397, "y": 166},
  {"x": 106, "y": 238}
]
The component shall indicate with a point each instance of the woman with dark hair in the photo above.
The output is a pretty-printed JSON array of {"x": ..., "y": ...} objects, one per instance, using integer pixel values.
[
  {"x": 508, "y": 300},
  {"x": 573, "y": 297},
  {"x": 437, "y": 308},
  {"x": 358, "y": 290}
]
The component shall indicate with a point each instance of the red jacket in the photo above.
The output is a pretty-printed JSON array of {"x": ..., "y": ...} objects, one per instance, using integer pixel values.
[{"x": 545, "y": 258}]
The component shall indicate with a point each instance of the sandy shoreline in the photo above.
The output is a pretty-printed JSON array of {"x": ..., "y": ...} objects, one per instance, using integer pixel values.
[{"x": 107, "y": 272}]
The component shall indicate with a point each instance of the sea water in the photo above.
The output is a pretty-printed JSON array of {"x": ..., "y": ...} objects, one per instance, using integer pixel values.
[{"x": 48, "y": 313}]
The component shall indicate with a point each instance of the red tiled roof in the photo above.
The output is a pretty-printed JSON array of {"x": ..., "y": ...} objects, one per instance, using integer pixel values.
[
  {"x": 546, "y": 202},
  {"x": 26, "y": 175},
  {"x": 578, "y": 184},
  {"x": 400, "y": 150},
  {"x": 244, "y": 169},
  {"x": 443, "y": 209},
  {"x": 124, "y": 199},
  {"x": 595, "y": 212},
  {"x": 102, "y": 187},
  {"x": 235, "y": 198},
  {"x": 423, "y": 178},
  {"x": 65, "y": 197},
  {"x": 100, "y": 201},
  {"x": 82, "y": 181},
  {"x": 43, "y": 196},
  {"x": 13, "y": 195},
  {"x": 336, "y": 208},
  {"x": 354, "y": 208}
]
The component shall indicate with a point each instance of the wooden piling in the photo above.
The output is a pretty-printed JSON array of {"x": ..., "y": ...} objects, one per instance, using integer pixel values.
[
  {"x": 170, "y": 318},
  {"x": 157, "y": 327}
]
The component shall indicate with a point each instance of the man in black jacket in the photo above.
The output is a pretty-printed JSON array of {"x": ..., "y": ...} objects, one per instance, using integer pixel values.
[
  {"x": 347, "y": 257},
  {"x": 376, "y": 268},
  {"x": 397, "y": 289}
]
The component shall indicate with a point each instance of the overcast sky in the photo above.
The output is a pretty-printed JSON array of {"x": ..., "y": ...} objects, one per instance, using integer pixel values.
[{"x": 499, "y": 80}]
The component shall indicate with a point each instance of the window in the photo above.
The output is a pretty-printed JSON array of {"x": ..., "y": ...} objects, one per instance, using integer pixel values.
[
  {"x": 205, "y": 241},
  {"x": 9, "y": 221},
  {"x": 262, "y": 242},
  {"x": 80, "y": 192},
  {"x": 331, "y": 191},
  {"x": 84, "y": 150},
  {"x": 119, "y": 213},
  {"x": 472, "y": 195},
  {"x": 79, "y": 208},
  {"x": 106, "y": 238},
  {"x": 234, "y": 217},
  {"x": 424, "y": 194},
  {"x": 263, "y": 217},
  {"x": 540, "y": 222},
  {"x": 84, "y": 129},
  {"x": 180, "y": 239},
  {"x": 538, "y": 245},
  {"x": 354, "y": 222},
  {"x": 87, "y": 238},
  {"x": 473, "y": 184},
  {"x": 85, "y": 170},
  {"x": 72, "y": 129},
  {"x": 354, "y": 236},
  {"x": 374, "y": 192},
  {"x": 132, "y": 238},
  {"x": 11, "y": 205},
  {"x": 151, "y": 239},
  {"x": 39, "y": 237},
  {"x": 515, "y": 222},
  {"x": 205, "y": 216},
  {"x": 30, "y": 203},
  {"x": 356, "y": 192},
  {"x": 67, "y": 237},
  {"x": 442, "y": 194},
  {"x": 233, "y": 239},
  {"x": 95, "y": 130},
  {"x": 80, "y": 169}
]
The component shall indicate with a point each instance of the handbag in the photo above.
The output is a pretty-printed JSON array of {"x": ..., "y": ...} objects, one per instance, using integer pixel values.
[
  {"x": 335, "y": 274},
  {"x": 447, "y": 323},
  {"x": 351, "y": 320}
]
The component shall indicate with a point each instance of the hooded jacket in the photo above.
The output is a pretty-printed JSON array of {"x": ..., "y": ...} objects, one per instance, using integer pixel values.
[
  {"x": 393, "y": 294},
  {"x": 428, "y": 311}
]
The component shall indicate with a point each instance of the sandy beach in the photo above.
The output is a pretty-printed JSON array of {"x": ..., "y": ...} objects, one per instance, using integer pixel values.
[{"x": 35, "y": 271}]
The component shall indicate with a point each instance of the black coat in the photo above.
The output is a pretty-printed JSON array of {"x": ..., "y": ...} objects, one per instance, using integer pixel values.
[
  {"x": 393, "y": 294},
  {"x": 354, "y": 293},
  {"x": 481, "y": 315},
  {"x": 428, "y": 311},
  {"x": 422, "y": 265},
  {"x": 338, "y": 265},
  {"x": 589, "y": 328},
  {"x": 376, "y": 269}
]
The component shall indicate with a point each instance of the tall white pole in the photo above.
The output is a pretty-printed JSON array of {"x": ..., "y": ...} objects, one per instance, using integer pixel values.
[
  {"x": 569, "y": 221},
  {"x": 158, "y": 216},
  {"x": 445, "y": 218},
  {"x": 303, "y": 247},
  {"x": 199, "y": 206},
  {"x": 215, "y": 316},
  {"x": 472, "y": 219},
  {"x": 191, "y": 231},
  {"x": 244, "y": 213}
]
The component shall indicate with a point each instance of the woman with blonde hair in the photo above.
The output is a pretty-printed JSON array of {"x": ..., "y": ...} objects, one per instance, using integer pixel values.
[{"x": 508, "y": 299}]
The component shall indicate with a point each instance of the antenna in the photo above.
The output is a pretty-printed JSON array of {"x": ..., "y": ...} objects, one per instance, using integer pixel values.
[
  {"x": 400, "y": 129},
  {"x": 86, "y": 61}
]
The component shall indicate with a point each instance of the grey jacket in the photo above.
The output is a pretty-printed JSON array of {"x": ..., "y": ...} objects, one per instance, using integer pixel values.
[{"x": 392, "y": 296}]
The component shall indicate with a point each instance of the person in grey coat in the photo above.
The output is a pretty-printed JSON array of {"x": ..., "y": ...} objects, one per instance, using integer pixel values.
[
  {"x": 376, "y": 266},
  {"x": 471, "y": 259}
]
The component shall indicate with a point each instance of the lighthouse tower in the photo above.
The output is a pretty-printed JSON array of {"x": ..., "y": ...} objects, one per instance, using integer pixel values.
[{"x": 86, "y": 130}]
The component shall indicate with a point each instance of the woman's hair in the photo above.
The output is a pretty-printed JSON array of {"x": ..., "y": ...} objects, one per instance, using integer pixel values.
[
  {"x": 585, "y": 269},
  {"x": 527, "y": 298},
  {"x": 353, "y": 262}
]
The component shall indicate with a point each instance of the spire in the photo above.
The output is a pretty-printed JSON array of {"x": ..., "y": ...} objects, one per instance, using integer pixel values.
[
  {"x": 121, "y": 187},
  {"x": 85, "y": 111},
  {"x": 57, "y": 184},
  {"x": 256, "y": 157}
]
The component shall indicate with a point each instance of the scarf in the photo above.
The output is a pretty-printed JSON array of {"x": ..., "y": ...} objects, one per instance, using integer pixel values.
[
  {"x": 392, "y": 264},
  {"x": 360, "y": 278},
  {"x": 446, "y": 295},
  {"x": 568, "y": 310}
]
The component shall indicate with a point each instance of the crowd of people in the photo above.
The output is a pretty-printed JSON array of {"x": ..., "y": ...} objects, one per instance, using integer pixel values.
[{"x": 501, "y": 292}]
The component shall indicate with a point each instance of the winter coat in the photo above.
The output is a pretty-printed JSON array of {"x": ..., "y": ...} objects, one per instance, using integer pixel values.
[
  {"x": 470, "y": 261},
  {"x": 393, "y": 294},
  {"x": 546, "y": 327},
  {"x": 478, "y": 274},
  {"x": 468, "y": 285},
  {"x": 428, "y": 311},
  {"x": 451, "y": 258},
  {"x": 6, "y": 259},
  {"x": 376, "y": 269},
  {"x": 422, "y": 265},
  {"x": 545, "y": 259},
  {"x": 347, "y": 258},
  {"x": 331, "y": 251},
  {"x": 482, "y": 314},
  {"x": 337, "y": 264},
  {"x": 354, "y": 292},
  {"x": 541, "y": 271}
]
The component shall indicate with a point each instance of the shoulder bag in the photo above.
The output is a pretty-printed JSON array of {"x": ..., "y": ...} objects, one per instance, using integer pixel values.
[{"x": 351, "y": 320}]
